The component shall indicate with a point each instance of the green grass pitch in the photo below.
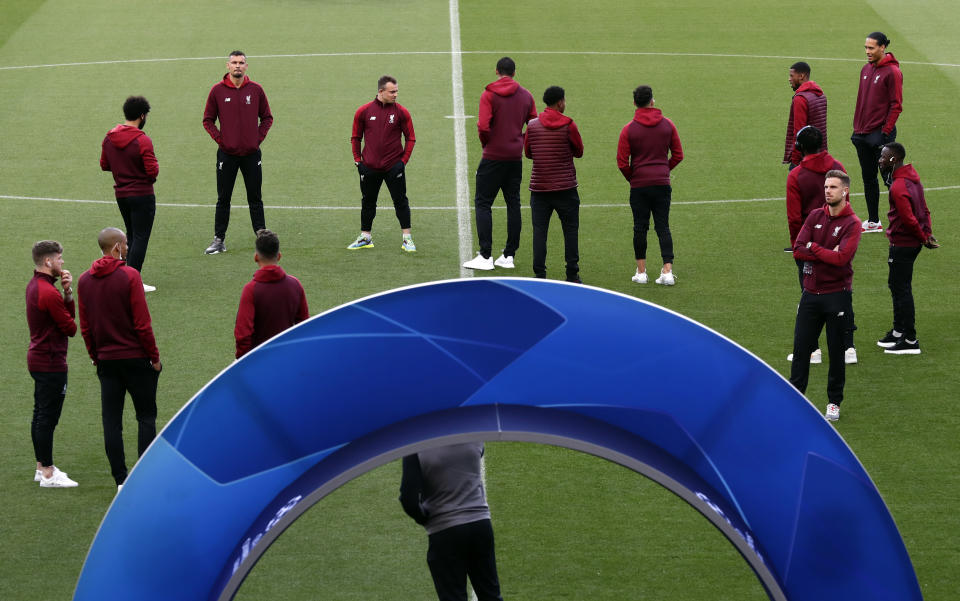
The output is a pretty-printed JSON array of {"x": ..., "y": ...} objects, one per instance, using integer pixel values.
[{"x": 568, "y": 526}]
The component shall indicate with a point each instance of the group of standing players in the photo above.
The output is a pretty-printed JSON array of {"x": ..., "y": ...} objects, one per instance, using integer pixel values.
[{"x": 825, "y": 237}]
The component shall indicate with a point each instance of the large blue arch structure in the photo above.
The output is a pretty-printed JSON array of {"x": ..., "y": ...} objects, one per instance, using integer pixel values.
[{"x": 280, "y": 429}]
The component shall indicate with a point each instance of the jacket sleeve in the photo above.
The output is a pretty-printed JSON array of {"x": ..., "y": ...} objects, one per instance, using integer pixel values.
[
  {"x": 243, "y": 331},
  {"x": 484, "y": 116},
  {"x": 532, "y": 114},
  {"x": 357, "y": 135},
  {"x": 526, "y": 143},
  {"x": 210, "y": 113},
  {"x": 104, "y": 161},
  {"x": 676, "y": 150},
  {"x": 61, "y": 311},
  {"x": 848, "y": 247},
  {"x": 800, "y": 250},
  {"x": 576, "y": 142},
  {"x": 141, "y": 315},
  {"x": 150, "y": 164},
  {"x": 85, "y": 325},
  {"x": 303, "y": 313},
  {"x": 895, "y": 93},
  {"x": 266, "y": 117},
  {"x": 411, "y": 489},
  {"x": 799, "y": 122},
  {"x": 623, "y": 152},
  {"x": 794, "y": 206},
  {"x": 901, "y": 200},
  {"x": 409, "y": 138}
]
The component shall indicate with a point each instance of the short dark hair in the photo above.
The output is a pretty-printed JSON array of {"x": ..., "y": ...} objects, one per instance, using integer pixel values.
[
  {"x": 45, "y": 248},
  {"x": 268, "y": 244},
  {"x": 384, "y": 80},
  {"x": 897, "y": 149},
  {"x": 238, "y": 53},
  {"x": 506, "y": 66},
  {"x": 880, "y": 38},
  {"x": 800, "y": 67},
  {"x": 642, "y": 95},
  {"x": 134, "y": 106},
  {"x": 553, "y": 95},
  {"x": 809, "y": 139},
  {"x": 840, "y": 175}
]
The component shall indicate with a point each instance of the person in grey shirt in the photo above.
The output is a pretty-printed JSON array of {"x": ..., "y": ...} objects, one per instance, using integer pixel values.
[{"x": 442, "y": 490}]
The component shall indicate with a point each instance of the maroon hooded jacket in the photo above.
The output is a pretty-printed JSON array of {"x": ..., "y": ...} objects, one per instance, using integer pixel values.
[
  {"x": 827, "y": 270},
  {"x": 880, "y": 97},
  {"x": 644, "y": 146},
  {"x": 270, "y": 303},
  {"x": 809, "y": 107},
  {"x": 114, "y": 318},
  {"x": 505, "y": 107},
  {"x": 380, "y": 126},
  {"x": 244, "y": 115},
  {"x": 805, "y": 188},
  {"x": 909, "y": 217},
  {"x": 552, "y": 140},
  {"x": 50, "y": 319},
  {"x": 127, "y": 152}
]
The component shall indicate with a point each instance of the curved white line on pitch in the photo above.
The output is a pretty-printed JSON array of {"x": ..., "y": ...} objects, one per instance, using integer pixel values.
[{"x": 445, "y": 52}]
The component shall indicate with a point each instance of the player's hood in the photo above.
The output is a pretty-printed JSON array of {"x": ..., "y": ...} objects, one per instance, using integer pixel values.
[
  {"x": 553, "y": 119},
  {"x": 907, "y": 172},
  {"x": 104, "y": 266},
  {"x": 820, "y": 162},
  {"x": 888, "y": 59},
  {"x": 648, "y": 116},
  {"x": 269, "y": 273},
  {"x": 505, "y": 86},
  {"x": 810, "y": 86},
  {"x": 229, "y": 82},
  {"x": 121, "y": 135}
]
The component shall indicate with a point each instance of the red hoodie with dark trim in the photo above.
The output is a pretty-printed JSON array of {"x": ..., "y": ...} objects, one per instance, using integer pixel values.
[
  {"x": 243, "y": 112},
  {"x": 880, "y": 97},
  {"x": 505, "y": 107},
  {"x": 380, "y": 127},
  {"x": 808, "y": 107},
  {"x": 552, "y": 140},
  {"x": 50, "y": 319},
  {"x": 648, "y": 149},
  {"x": 909, "y": 217},
  {"x": 805, "y": 188},
  {"x": 833, "y": 242},
  {"x": 114, "y": 318},
  {"x": 269, "y": 304},
  {"x": 127, "y": 152}
]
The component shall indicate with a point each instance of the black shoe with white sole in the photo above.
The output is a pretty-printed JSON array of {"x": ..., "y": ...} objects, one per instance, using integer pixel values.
[{"x": 904, "y": 347}]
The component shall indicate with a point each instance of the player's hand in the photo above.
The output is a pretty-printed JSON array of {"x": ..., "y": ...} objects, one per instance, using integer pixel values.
[
  {"x": 66, "y": 281},
  {"x": 931, "y": 242},
  {"x": 157, "y": 367}
]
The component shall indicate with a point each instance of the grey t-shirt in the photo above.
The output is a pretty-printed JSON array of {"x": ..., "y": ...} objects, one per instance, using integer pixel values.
[{"x": 453, "y": 492}]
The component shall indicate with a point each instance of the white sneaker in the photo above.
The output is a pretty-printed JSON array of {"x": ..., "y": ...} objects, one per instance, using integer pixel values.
[
  {"x": 640, "y": 277},
  {"x": 666, "y": 279},
  {"x": 479, "y": 262},
  {"x": 505, "y": 262},
  {"x": 816, "y": 357},
  {"x": 38, "y": 474},
  {"x": 833, "y": 412},
  {"x": 57, "y": 480},
  {"x": 119, "y": 488},
  {"x": 850, "y": 356},
  {"x": 149, "y": 288},
  {"x": 869, "y": 227}
]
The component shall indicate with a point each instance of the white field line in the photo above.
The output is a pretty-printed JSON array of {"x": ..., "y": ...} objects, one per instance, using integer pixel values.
[
  {"x": 240, "y": 206},
  {"x": 464, "y": 233},
  {"x": 441, "y": 52}
]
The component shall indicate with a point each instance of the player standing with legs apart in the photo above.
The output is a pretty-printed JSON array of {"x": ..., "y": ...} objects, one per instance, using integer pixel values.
[
  {"x": 241, "y": 107},
  {"x": 442, "y": 490},
  {"x": 505, "y": 107},
  {"x": 127, "y": 152},
  {"x": 808, "y": 107},
  {"x": 379, "y": 124},
  {"x": 116, "y": 328},
  {"x": 271, "y": 302},
  {"x": 553, "y": 141},
  {"x": 648, "y": 150},
  {"x": 826, "y": 243},
  {"x": 879, "y": 104},
  {"x": 50, "y": 319},
  {"x": 909, "y": 230}
]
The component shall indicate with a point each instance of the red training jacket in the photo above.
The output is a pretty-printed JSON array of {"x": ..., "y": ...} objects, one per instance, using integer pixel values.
[
  {"x": 909, "y": 217},
  {"x": 880, "y": 97},
  {"x": 552, "y": 140},
  {"x": 380, "y": 126},
  {"x": 127, "y": 152},
  {"x": 505, "y": 107},
  {"x": 243, "y": 112},
  {"x": 827, "y": 270},
  {"x": 808, "y": 107},
  {"x": 50, "y": 319},
  {"x": 644, "y": 147},
  {"x": 114, "y": 318},
  {"x": 270, "y": 303},
  {"x": 805, "y": 188}
]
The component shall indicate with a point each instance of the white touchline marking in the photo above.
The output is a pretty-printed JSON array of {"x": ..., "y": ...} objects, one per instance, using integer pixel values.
[
  {"x": 464, "y": 232},
  {"x": 242, "y": 207}
]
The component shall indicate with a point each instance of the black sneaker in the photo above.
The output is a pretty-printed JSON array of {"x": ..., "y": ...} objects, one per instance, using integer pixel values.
[
  {"x": 904, "y": 347},
  {"x": 889, "y": 340},
  {"x": 216, "y": 247}
]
